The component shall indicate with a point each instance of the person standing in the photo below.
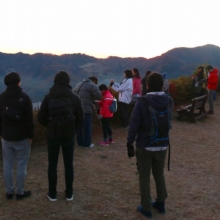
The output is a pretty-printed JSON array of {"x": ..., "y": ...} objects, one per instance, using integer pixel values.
[
  {"x": 136, "y": 85},
  {"x": 89, "y": 92},
  {"x": 212, "y": 86},
  {"x": 125, "y": 89},
  {"x": 144, "y": 82},
  {"x": 106, "y": 115},
  {"x": 17, "y": 131},
  {"x": 62, "y": 113},
  {"x": 150, "y": 155}
]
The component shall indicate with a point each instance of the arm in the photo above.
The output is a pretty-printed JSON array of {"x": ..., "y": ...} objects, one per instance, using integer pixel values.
[
  {"x": 29, "y": 119},
  {"x": 43, "y": 113},
  {"x": 79, "y": 114},
  {"x": 96, "y": 93}
]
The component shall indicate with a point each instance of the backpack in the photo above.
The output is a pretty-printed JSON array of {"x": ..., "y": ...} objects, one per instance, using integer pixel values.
[
  {"x": 158, "y": 133},
  {"x": 113, "y": 106},
  {"x": 166, "y": 85},
  {"x": 61, "y": 118}
]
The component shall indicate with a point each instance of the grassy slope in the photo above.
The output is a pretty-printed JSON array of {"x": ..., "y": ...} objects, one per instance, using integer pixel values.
[{"x": 106, "y": 184}]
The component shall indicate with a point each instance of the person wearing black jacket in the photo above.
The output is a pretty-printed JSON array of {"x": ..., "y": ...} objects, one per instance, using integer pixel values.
[
  {"x": 60, "y": 91},
  {"x": 16, "y": 130}
]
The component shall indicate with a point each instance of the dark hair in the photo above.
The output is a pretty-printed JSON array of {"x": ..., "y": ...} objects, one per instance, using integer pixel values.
[
  {"x": 12, "y": 78},
  {"x": 62, "y": 76},
  {"x": 94, "y": 79},
  {"x": 103, "y": 87},
  {"x": 209, "y": 67},
  {"x": 202, "y": 68},
  {"x": 128, "y": 74},
  {"x": 155, "y": 82},
  {"x": 148, "y": 73},
  {"x": 137, "y": 72}
]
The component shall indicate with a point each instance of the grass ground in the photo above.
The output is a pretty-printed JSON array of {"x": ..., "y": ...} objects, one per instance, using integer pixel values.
[{"x": 106, "y": 184}]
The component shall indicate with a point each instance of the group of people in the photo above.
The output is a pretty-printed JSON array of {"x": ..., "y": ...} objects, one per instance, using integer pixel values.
[
  {"x": 67, "y": 113},
  {"x": 204, "y": 83}
]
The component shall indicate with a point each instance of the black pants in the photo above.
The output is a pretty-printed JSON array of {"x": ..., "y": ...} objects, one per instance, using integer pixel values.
[
  {"x": 53, "y": 154},
  {"x": 106, "y": 129},
  {"x": 124, "y": 114}
]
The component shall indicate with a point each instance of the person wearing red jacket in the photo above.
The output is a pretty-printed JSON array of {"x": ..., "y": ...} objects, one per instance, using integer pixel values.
[
  {"x": 212, "y": 86},
  {"x": 106, "y": 115},
  {"x": 136, "y": 85}
]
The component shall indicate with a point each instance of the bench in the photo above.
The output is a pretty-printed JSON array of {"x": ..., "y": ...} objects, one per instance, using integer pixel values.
[{"x": 194, "y": 111}]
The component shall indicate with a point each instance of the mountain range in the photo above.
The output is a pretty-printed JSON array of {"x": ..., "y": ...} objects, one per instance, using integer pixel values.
[{"x": 37, "y": 71}]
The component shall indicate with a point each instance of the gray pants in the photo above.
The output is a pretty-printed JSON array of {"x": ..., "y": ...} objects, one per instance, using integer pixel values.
[
  {"x": 211, "y": 99},
  {"x": 18, "y": 151},
  {"x": 147, "y": 161}
]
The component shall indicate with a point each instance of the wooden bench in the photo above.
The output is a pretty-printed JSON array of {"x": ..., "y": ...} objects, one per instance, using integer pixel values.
[{"x": 194, "y": 111}]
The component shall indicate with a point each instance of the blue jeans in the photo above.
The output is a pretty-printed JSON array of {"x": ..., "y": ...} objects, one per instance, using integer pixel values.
[
  {"x": 211, "y": 99},
  {"x": 53, "y": 155},
  {"x": 84, "y": 134},
  {"x": 18, "y": 151}
]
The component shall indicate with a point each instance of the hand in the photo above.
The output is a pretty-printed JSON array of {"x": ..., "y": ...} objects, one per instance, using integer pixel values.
[
  {"x": 130, "y": 150},
  {"x": 111, "y": 82}
]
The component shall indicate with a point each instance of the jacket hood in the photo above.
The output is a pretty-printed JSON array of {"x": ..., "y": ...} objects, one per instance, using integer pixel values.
[
  {"x": 157, "y": 99},
  {"x": 107, "y": 93},
  {"x": 60, "y": 90},
  {"x": 215, "y": 71},
  {"x": 13, "y": 91}
]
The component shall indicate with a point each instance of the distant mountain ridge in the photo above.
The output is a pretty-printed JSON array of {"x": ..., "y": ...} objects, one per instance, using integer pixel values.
[{"x": 37, "y": 71}]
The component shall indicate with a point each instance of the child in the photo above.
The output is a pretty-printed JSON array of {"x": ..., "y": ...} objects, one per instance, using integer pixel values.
[{"x": 105, "y": 115}]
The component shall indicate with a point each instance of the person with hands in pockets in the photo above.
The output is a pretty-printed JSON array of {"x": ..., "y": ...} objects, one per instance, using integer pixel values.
[
  {"x": 105, "y": 115},
  {"x": 150, "y": 156}
]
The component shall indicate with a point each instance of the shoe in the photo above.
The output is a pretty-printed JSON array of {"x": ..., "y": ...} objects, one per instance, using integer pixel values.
[
  {"x": 210, "y": 112},
  {"x": 147, "y": 214},
  {"x": 51, "y": 197},
  {"x": 24, "y": 195},
  {"x": 159, "y": 206},
  {"x": 69, "y": 197},
  {"x": 103, "y": 143},
  {"x": 111, "y": 141},
  {"x": 90, "y": 146},
  {"x": 9, "y": 196}
]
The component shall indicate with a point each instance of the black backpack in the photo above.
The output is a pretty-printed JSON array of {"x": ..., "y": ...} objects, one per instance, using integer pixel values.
[
  {"x": 158, "y": 132},
  {"x": 61, "y": 118}
]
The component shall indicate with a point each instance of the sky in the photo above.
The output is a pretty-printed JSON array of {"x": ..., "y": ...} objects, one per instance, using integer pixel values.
[{"x": 102, "y": 28}]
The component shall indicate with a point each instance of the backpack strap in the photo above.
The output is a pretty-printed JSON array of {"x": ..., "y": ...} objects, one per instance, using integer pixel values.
[
  {"x": 168, "y": 110},
  {"x": 80, "y": 87}
]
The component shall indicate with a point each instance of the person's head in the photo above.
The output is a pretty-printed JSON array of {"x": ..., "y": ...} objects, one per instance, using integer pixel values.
[
  {"x": 103, "y": 87},
  {"x": 135, "y": 73},
  {"x": 209, "y": 68},
  {"x": 62, "y": 76},
  {"x": 200, "y": 69},
  {"x": 128, "y": 74},
  {"x": 12, "y": 78},
  {"x": 147, "y": 73},
  {"x": 154, "y": 82},
  {"x": 94, "y": 79}
]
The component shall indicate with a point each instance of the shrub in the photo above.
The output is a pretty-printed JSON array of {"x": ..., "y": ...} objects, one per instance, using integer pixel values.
[{"x": 181, "y": 89}]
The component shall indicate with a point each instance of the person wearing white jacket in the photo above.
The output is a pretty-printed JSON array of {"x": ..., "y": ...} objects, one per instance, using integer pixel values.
[{"x": 125, "y": 89}]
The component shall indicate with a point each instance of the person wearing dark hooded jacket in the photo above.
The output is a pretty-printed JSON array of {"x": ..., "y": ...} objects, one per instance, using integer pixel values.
[
  {"x": 17, "y": 131},
  {"x": 59, "y": 91},
  {"x": 149, "y": 157}
]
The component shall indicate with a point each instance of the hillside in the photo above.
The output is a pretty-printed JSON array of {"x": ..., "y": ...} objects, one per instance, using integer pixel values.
[{"x": 37, "y": 70}]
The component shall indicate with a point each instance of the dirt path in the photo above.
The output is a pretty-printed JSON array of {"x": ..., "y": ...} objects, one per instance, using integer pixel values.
[{"x": 106, "y": 184}]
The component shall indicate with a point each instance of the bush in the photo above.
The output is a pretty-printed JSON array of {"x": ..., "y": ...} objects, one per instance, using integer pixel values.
[{"x": 181, "y": 89}]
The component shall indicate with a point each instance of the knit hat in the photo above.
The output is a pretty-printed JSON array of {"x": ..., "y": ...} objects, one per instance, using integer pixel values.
[
  {"x": 12, "y": 78},
  {"x": 62, "y": 76}
]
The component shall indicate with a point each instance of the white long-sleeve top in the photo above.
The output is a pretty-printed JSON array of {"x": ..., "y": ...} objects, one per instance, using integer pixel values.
[{"x": 124, "y": 89}]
